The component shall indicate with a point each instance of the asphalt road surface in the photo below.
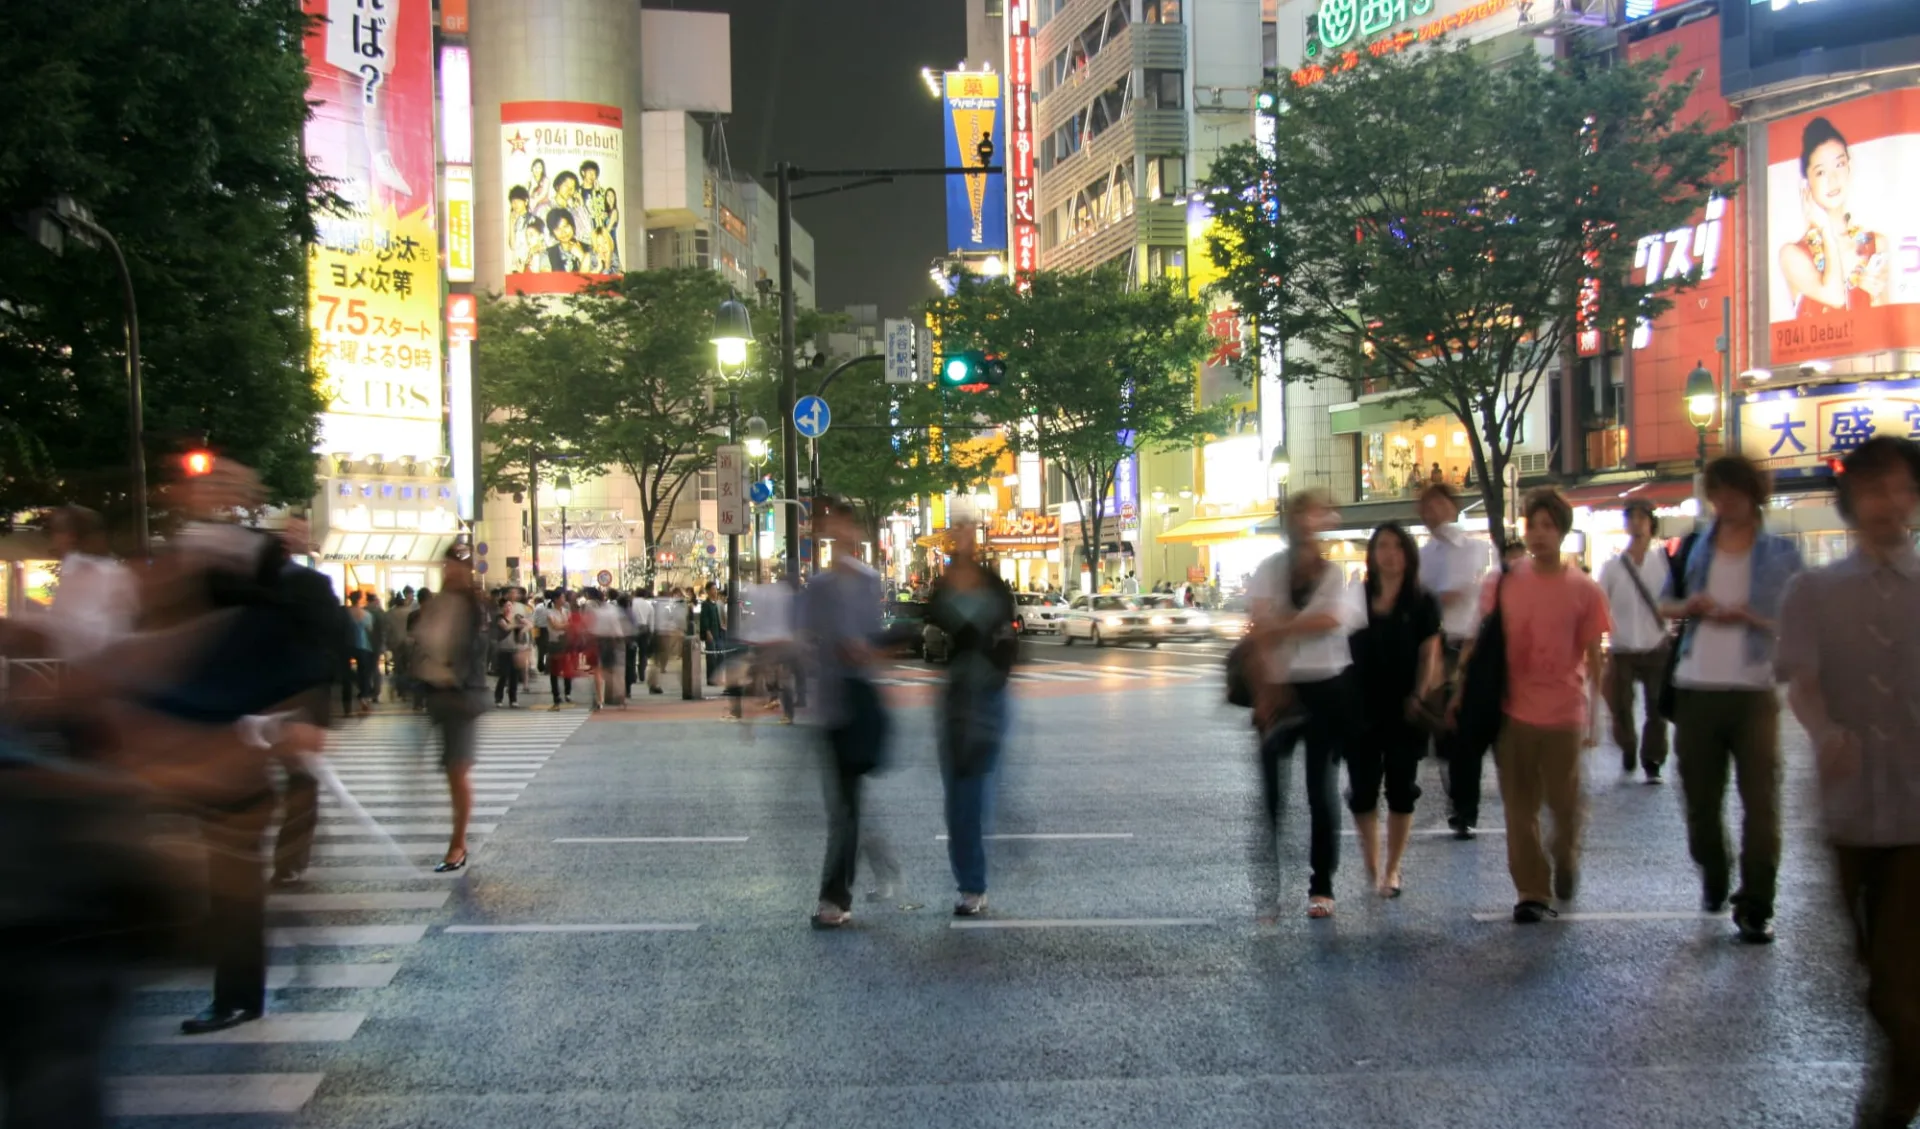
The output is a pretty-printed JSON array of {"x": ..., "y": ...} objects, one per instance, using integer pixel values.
[{"x": 630, "y": 947}]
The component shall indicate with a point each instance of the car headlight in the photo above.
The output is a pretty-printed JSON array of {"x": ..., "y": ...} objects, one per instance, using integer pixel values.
[
  {"x": 1110, "y": 620},
  {"x": 1160, "y": 620}
]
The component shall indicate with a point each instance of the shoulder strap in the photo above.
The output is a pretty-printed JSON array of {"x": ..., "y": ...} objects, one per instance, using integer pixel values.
[{"x": 1633, "y": 574}]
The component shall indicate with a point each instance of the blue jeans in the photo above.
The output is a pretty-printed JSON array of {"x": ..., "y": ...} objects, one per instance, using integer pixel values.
[{"x": 970, "y": 795}]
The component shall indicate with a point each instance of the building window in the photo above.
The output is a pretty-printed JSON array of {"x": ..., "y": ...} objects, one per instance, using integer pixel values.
[
  {"x": 1167, "y": 262},
  {"x": 1402, "y": 459},
  {"x": 1166, "y": 177},
  {"x": 707, "y": 478},
  {"x": 1161, "y": 12},
  {"x": 801, "y": 271},
  {"x": 1166, "y": 90}
]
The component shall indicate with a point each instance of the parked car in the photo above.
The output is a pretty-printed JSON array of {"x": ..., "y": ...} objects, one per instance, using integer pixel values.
[
  {"x": 1168, "y": 621},
  {"x": 1036, "y": 614},
  {"x": 1107, "y": 619},
  {"x": 905, "y": 622}
]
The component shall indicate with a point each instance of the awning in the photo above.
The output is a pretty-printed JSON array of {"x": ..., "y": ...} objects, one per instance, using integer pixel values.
[
  {"x": 1208, "y": 530},
  {"x": 1613, "y": 495}
]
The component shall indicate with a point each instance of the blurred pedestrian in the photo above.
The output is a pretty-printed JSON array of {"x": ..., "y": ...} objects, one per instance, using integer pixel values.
[
  {"x": 1853, "y": 676},
  {"x": 399, "y": 616},
  {"x": 1637, "y": 651},
  {"x": 1552, "y": 618},
  {"x": 513, "y": 638},
  {"x": 841, "y": 611},
  {"x": 313, "y": 592},
  {"x": 713, "y": 633},
  {"x": 669, "y": 631},
  {"x": 1303, "y": 612},
  {"x": 562, "y": 661},
  {"x": 1451, "y": 567},
  {"x": 976, "y": 610},
  {"x": 610, "y": 629},
  {"x": 1396, "y": 661},
  {"x": 1726, "y": 715},
  {"x": 452, "y": 651}
]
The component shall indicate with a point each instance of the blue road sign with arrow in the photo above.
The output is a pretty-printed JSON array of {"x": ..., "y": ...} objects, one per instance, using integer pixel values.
[
  {"x": 811, "y": 417},
  {"x": 761, "y": 492}
]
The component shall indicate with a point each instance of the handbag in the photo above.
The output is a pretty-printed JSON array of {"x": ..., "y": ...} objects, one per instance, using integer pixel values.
[
  {"x": 860, "y": 744},
  {"x": 1483, "y": 691},
  {"x": 1239, "y": 686}
]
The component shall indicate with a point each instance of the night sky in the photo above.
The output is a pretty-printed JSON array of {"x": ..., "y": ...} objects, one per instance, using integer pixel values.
[{"x": 836, "y": 84}]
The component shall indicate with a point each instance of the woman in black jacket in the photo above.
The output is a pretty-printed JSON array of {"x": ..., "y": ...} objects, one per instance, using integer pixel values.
[{"x": 976, "y": 610}]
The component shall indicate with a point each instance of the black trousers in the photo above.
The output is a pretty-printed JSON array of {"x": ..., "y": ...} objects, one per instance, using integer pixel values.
[
  {"x": 299, "y": 813},
  {"x": 1460, "y": 770},
  {"x": 844, "y": 843},
  {"x": 1330, "y": 718},
  {"x": 508, "y": 681},
  {"x": 237, "y": 900},
  {"x": 1387, "y": 754}
]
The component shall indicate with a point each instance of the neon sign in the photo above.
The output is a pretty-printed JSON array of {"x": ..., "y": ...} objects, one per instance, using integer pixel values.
[
  {"x": 1365, "y": 17},
  {"x": 1685, "y": 254},
  {"x": 1020, "y": 195}
]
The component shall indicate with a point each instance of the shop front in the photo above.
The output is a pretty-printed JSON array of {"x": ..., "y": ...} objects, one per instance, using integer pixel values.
[
  {"x": 1231, "y": 545},
  {"x": 380, "y": 533},
  {"x": 1024, "y": 548},
  {"x": 1404, "y": 445}
]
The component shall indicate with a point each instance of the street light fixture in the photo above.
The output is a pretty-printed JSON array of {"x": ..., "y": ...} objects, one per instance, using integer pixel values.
[
  {"x": 563, "y": 495},
  {"x": 758, "y": 446},
  {"x": 1280, "y": 464},
  {"x": 1702, "y": 398},
  {"x": 732, "y": 333}
]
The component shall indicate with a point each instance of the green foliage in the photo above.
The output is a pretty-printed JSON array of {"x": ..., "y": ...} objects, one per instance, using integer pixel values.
[
  {"x": 1426, "y": 221},
  {"x": 178, "y": 123},
  {"x": 535, "y": 367},
  {"x": 1098, "y": 368}
]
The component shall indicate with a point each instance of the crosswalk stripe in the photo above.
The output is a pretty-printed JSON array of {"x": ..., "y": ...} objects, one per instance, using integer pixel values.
[
  {"x": 281, "y": 1027},
  {"x": 392, "y": 873},
  {"x": 493, "y": 795},
  {"x": 295, "y": 936},
  {"x": 1055, "y": 676},
  {"x": 206, "y": 1095},
  {"x": 350, "y": 831},
  {"x": 285, "y": 976},
  {"x": 421, "y": 809},
  {"x": 425, "y": 899},
  {"x": 418, "y": 848}
]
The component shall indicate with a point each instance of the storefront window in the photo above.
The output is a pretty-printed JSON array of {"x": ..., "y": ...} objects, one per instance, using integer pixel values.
[{"x": 1403, "y": 459}]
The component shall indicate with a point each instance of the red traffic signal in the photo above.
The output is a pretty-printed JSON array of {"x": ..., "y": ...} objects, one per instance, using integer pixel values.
[{"x": 197, "y": 462}]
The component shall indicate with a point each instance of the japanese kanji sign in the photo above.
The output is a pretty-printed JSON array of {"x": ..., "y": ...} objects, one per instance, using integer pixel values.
[
  {"x": 734, "y": 514},
  {"x": 1784, "y": 430}
]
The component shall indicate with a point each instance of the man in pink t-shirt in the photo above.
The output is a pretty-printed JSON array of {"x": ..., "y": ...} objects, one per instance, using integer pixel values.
[{"x": 1552, "y": 617}]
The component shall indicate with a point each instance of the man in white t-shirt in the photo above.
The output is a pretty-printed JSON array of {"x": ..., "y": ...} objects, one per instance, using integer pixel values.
[
  {"x": 1451, "y": 567},
  {"x": 1637, "y": 657},
  {"x": 1734, "y": 576},
  {"x": 96, "y": 601}
]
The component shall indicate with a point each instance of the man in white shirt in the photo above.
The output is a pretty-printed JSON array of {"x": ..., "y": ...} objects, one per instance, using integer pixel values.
[
  {"x": 1451, "y": 567},
  {"x": 1632, "y": 582},
  {"x": 96, "y": 601},
  {"x": 1303, "y": 612}
]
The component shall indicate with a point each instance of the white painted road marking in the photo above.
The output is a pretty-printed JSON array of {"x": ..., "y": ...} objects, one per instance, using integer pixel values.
[
  {"x": 329, "y": 831},
  {"x": 1076, "y": 922},
  {"x": 286, "y": 976},
  {"x": 623, "y": 927},
  {"x": 663, "y": 839},
  {"x": 330, "y": 935},
  {"x": 431, "y": 899},
  {"x": 273, "y": 1027},
  {"x": 199, "y": 1095},
  {"x": 1037, "y": 835},
  {"x": 1630, "y": 915},
  {"x": 394, "y": 873}
]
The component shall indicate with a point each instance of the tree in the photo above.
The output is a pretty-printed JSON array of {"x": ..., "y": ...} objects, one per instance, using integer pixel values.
[
  {"x": 178, "y": 123},
  {"x": 1433, "y": 224},
  {"x": 657, "y": 410},
  {"x": 1097, "y": 369},
  {"x": 537, "y": 369}
]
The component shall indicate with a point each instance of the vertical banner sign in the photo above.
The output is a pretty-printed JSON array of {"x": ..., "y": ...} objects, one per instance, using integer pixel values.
[
  {"x": 562, "y": 167},
  {"x": 374, "y": 278},
  {"x": 734, "y": 516},
  {"x": 464, "y": 437},
  {"x": 899, "y": 351},
  {"x": 1843, "y": 239},
  {"x": 459, "y": 223},
  {"x": 976, "y": 205},
  {"x": 1026, "y": 230}
]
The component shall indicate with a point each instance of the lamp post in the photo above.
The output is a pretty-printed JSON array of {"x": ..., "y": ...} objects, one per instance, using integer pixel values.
[
  {"x": 563, "y": 496},
  {"x": 758, "y": 449},
  {"x": 731, "y": 333},
  {"x": 1702, "y": 399}
]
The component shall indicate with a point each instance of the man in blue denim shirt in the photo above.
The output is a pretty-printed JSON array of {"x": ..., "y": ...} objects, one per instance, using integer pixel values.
[{"x": 1726, "y": 713}]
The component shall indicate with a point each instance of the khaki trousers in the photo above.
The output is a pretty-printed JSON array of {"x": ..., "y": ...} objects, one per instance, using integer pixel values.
[{"x": 1540, "y": 766}]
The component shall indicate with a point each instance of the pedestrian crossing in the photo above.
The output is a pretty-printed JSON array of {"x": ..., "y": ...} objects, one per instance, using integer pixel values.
[
  {"x": 1059, "y": 672},
  {"x": 317, "y": 936}
]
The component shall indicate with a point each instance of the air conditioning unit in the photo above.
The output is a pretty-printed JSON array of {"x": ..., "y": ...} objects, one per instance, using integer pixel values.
[{"x": 1530, "y": 462}]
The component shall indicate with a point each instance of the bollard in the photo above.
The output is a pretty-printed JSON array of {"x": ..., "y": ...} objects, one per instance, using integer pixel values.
[{"x": 693, "y": 669}]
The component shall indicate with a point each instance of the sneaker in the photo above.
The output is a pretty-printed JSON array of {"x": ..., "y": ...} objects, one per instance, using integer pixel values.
[
  {"x": 830, "y": 916},
  {"x": 1755, "y": 927},
  {"x": 970, "y": 905},
  {"x": 1463, "y": 831},
  {"x": 1565, "y": 884},
  {"x": 1532, "y": 913},
  {"x": 1654, "y": 777}
]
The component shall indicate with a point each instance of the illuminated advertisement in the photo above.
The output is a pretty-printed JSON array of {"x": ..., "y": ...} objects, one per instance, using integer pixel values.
[
  {"x": 561, "y": 168},
  {"x": 1805, "y": 428},
  {"x": 976, "y": 204},
  {"x": 1843, "y": 237},
  {"x": 459, "y": 223},
  {"x": 1766, "y": 43},
  {"x": 374, "y": 267},
  {"x": 1223, "y": 374},
  {"x": 1341, "y": 29},
  {"x": 1020, "y": 191},
  {"x": 1696, "y": 258}
]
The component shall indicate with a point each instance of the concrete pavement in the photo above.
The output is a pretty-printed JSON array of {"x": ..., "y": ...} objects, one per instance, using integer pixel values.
[{"x": 659, "y": 971}]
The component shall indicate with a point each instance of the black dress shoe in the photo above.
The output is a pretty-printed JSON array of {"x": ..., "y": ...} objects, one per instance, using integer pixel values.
[
  {"x": 283, "y": 878},
  {"x": 217, "y": 1018},
  {"x": 1532, "y": 913}
]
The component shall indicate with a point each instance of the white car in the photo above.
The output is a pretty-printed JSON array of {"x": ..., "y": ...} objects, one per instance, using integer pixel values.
[
  {"x": 1170, "y": 622},
  {"x": 1108, "y": 619},
  {"x": 1036, "y": 614}
]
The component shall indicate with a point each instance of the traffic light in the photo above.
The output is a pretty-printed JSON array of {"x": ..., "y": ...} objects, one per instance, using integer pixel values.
[
  {"x": 972, "y": 371},
  {"x": 197, "y": 462}
]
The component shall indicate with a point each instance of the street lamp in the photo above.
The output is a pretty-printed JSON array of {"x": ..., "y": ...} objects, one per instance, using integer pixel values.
[
  {"x": 758, "y": 447},
  {"x": 563, "y": 496},
  {"x": 1702, "y": 398},
  {"x": 1280, "y": 466},
  {"x": 732, "y": 333},
  {"x": 732, "y": 330}
]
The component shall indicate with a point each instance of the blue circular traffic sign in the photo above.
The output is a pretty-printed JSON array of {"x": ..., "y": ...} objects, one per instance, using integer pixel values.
[
  {"x": 811, "y": 417},
  {"x": 761, "y": 492}
]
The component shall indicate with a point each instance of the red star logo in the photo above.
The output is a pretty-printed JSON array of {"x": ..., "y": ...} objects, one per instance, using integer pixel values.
[{"x": 518, "y": 141}]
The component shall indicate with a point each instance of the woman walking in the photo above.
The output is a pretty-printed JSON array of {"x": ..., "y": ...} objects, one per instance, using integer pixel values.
[
  {"x": 1303, "y": 612},
  {"x": 1396, "y": 662},
  {"x": 451, "y": 650},
  {"x": 976, "y": 610}
]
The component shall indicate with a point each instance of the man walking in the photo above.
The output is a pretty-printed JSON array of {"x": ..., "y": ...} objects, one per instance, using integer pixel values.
[
  {"x": 1451, "y": 565},
  {"x": 1638, "y": 657},
  {"x": 1727, "y": 719},
  {"x": 1552, "y": 617},
  {"x": 1853, "y": 676}
]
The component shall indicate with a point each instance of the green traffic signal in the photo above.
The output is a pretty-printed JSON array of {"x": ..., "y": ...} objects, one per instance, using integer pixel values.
[{"x": 960, "y": 369}]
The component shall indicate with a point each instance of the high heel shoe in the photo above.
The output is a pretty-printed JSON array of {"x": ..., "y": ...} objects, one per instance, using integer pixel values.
[{"x": 448, "y": 867}]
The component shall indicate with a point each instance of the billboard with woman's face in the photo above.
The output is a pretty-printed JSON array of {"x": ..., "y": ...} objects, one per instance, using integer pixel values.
[{"x": 1843, "y": 229}]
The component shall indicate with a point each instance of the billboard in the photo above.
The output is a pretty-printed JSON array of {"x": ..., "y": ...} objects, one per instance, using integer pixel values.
[
  {"x": 1795, "y": 433},
  {"x": 1696, "y": 259},
  {"x": 1771, "y": 43},
  {"x": 374, "y": 275},
  {"x": 1843, "y": 238},
  {"x": 562, "y": 167},
  {"x": 1224, "y": 372},
  {"x": 1019, "y": 162},
  {"x": 976, "y": 205}
]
